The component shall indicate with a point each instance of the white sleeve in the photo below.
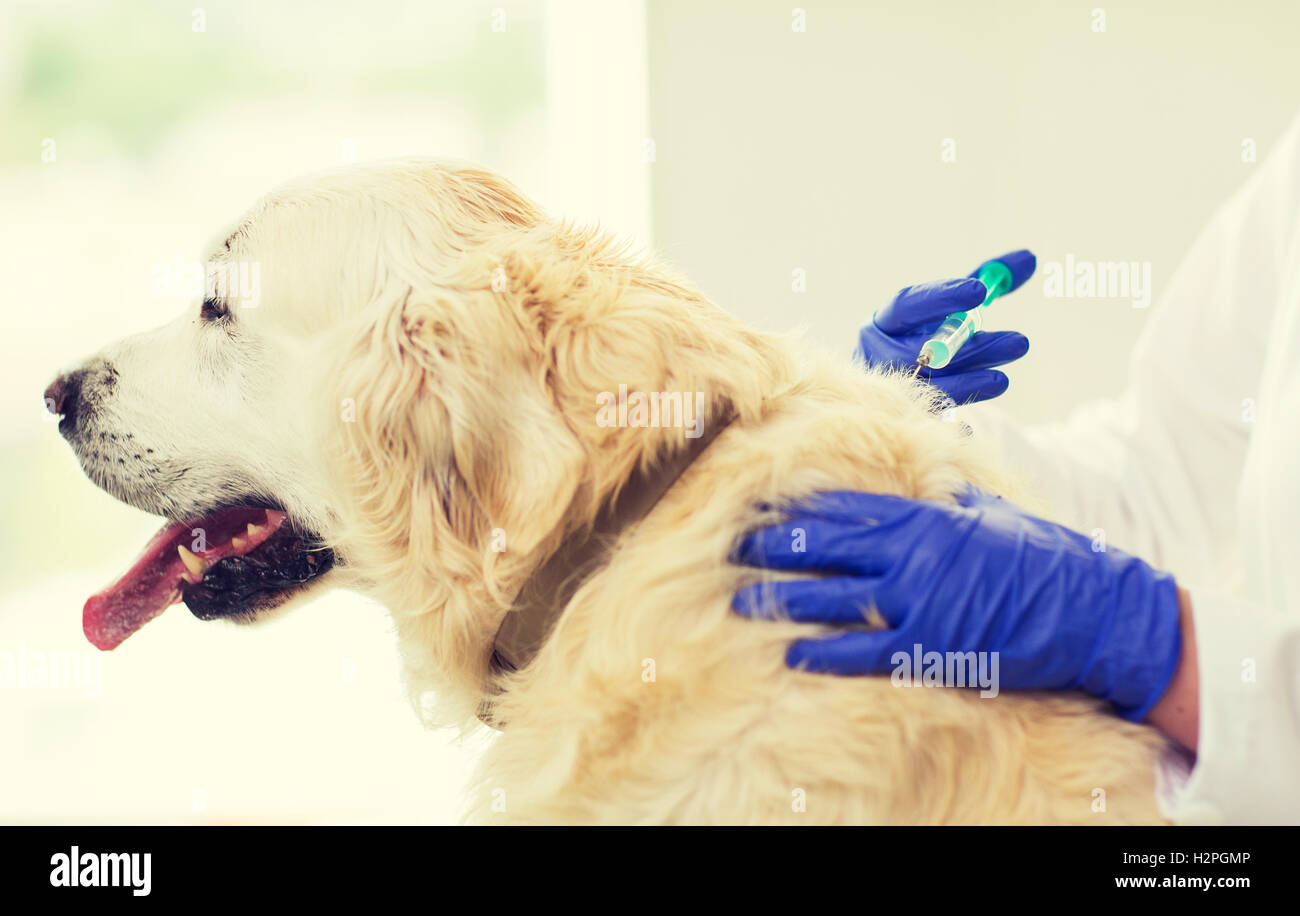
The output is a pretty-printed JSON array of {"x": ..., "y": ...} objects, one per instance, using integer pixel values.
[
  {"x": 1248, "y": 767},
  {"x": 1157, "y": 469},
  {"x": 1160, "y": 470}
]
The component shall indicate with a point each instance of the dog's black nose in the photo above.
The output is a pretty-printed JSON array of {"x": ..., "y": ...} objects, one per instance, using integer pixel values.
[
  {"x": 63, "y": 395},
  {"x": 63, "y": 392},
  {"x": 75, "y": 395}
]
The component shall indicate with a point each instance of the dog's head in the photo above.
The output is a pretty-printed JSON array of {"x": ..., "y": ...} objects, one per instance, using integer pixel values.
[
  {"x": 396, "y": 378},
  {"x": 214, "y": 421},
  {"x": 397, "y": 372}
]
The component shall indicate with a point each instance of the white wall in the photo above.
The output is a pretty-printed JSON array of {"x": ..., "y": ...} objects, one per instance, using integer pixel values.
[
  {"x": 597, "y": 115},
  {"x": 821, "y": 150}
]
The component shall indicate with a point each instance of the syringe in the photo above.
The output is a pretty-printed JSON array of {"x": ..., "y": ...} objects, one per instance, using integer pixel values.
[{"x": 999, "y": 276}]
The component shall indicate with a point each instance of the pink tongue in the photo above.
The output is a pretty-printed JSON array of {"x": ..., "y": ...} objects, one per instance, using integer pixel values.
[
  {"x": 148, "y": 587},
  {"x": 154, "y": 583}
]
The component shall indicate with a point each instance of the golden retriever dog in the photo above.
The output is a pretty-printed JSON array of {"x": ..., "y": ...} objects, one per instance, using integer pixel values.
[{"x": 538, "y": 451}]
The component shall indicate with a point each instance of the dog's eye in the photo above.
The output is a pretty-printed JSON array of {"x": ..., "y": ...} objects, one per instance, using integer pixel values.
[{"x": 213, "y": 310}]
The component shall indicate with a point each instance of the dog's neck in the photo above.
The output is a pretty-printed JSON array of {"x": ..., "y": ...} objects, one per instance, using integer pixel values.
[{"x": 542, "y": 600}]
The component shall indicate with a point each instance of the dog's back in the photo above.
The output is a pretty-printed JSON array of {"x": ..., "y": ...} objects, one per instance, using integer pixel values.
[{"x": 653, "y": 703}]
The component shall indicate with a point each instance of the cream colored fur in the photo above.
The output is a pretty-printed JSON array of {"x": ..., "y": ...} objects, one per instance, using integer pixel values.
[{"x": 652, "y": 702}]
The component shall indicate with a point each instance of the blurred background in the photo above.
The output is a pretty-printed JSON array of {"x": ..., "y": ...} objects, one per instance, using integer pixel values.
[{"x": 800, "y": 164}]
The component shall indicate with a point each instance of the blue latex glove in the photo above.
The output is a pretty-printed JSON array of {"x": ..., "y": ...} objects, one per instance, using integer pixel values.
[
  {"x": 896, "y": 332},
  {"x": 979, "y": 576}
]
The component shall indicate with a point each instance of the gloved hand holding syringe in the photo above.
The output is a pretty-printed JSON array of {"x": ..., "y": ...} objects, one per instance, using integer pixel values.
[
  {"x": 999, "y": 276},
  {"x": 922, "y": 329}
]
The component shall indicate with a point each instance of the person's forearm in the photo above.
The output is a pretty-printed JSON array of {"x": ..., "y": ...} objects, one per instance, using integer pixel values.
[{"x": 1177, "y": 714}]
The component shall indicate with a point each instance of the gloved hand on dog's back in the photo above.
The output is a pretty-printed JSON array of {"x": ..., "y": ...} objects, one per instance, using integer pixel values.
[
  {"x": 978, "y": 576},
  {"x": 896, "y": 332}
]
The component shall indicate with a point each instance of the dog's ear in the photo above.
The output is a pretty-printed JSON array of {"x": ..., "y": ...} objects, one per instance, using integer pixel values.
[
  {"x": 455, "y": 445},
  {"x": 501, "y": 438}
]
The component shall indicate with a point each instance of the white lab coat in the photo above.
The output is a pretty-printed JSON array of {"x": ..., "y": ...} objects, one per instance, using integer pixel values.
[{"x": 1196, "y": 468}]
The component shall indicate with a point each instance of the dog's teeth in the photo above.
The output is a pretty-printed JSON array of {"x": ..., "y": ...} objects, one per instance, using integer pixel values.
[
  {"x": 239, "y": 543},
  {"x": 196, "y": 565},
  {"x": 253, "y": 529}
]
